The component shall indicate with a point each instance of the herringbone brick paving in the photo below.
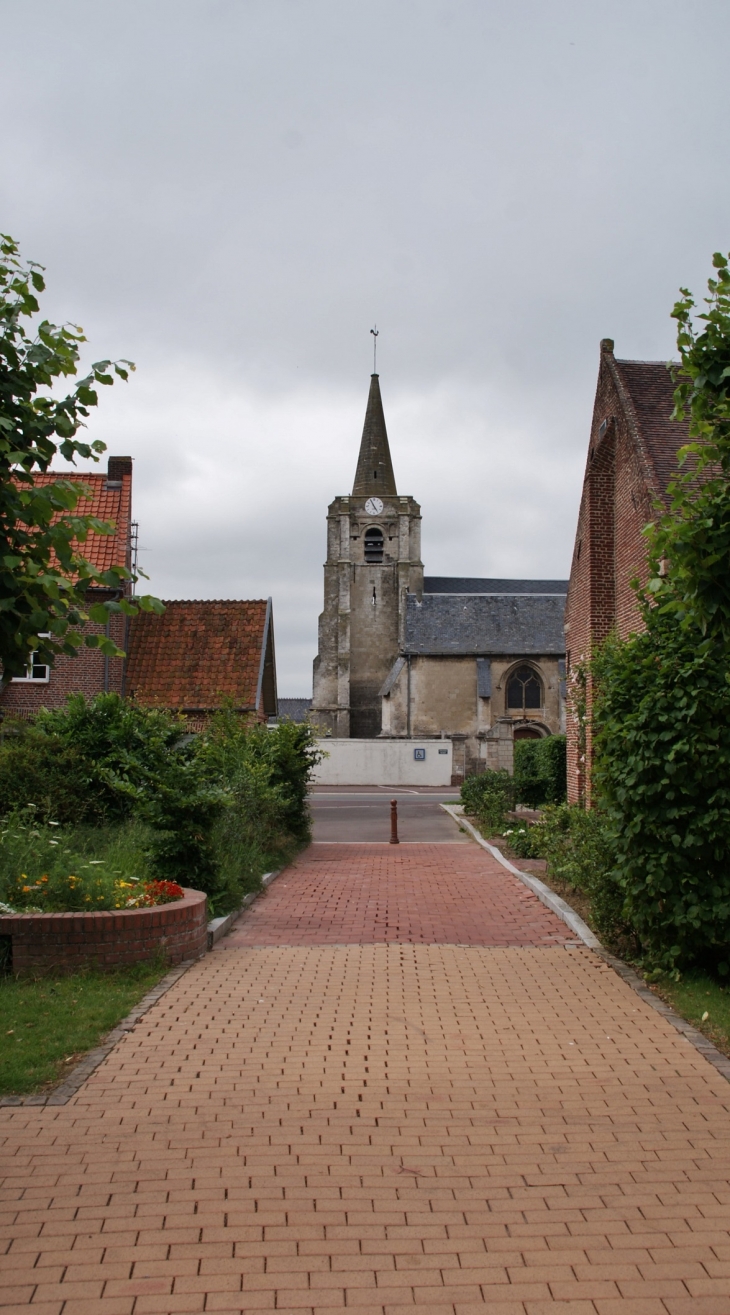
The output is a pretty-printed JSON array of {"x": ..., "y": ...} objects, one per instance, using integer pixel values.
[{"x": 316, "y": 1128}]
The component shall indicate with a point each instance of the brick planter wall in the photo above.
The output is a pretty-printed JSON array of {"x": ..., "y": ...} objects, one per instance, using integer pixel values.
[{"x": 64, "y": 942}]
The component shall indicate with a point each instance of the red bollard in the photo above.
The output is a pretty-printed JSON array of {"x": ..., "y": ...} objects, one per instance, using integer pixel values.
[{"x": 394, "y": 822}]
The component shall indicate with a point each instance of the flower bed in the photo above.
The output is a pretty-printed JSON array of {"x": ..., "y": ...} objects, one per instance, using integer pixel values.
[
  {"x": 72, "y": 894},
  {"x": 64, "y": 942}
]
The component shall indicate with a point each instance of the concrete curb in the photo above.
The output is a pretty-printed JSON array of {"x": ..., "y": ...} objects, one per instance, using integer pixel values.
[
  {"x": 701, "y": 1043},
  {"x": 218, "y": 927},
  {"x": 543, "y": 892}
]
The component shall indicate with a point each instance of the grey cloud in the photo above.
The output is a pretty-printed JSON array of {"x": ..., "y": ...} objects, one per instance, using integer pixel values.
[{"x": 232, "y": 193}]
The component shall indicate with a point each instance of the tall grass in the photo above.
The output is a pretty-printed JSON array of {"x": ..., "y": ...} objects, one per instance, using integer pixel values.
[{"x": 53, "y": 868}]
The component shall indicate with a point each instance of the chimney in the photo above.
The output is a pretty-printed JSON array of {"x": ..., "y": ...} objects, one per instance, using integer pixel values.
[
  {"x": 116, "y": 469},
  {"x": 606, "y": 346}
]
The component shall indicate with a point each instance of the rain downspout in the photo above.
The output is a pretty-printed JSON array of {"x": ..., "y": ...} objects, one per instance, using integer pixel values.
[
  {"x": 408, "y": 699},
  {"x": 107, "y": 633}
]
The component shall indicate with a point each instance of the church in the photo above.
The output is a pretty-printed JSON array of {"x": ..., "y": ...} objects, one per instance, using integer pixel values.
[{"x": 407, "y": 656}]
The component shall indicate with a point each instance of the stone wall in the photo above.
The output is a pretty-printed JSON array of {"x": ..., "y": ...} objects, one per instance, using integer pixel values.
[
  {"x": 441, "y": 696},
  {"x": 361, "y": 624}
]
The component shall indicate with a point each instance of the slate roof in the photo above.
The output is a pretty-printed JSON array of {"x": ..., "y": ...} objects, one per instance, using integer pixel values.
[
  {"x": 457, "y": 584},
  {"x": 650, "y": 390},
  {"x": 109, "y": 504},
  {"x": 374, "y": 472},
  {"x": 294, "y": 709},
  {"x": 199, "y": 654},
  {"x": 516, "y": 624}
]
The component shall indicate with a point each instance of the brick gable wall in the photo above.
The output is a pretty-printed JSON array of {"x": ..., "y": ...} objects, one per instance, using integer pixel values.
[{"x": 631, "y": 456}]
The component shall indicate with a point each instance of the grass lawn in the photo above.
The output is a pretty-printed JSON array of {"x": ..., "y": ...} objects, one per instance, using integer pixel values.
[
  {"x": 696, "y": 995},
  {"x": 47, "y": 1024}
]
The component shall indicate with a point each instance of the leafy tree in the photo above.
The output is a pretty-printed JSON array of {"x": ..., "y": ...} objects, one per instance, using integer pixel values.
[
  {"x": 44, "y": 578},
  {"x": 689, "y": 546}
]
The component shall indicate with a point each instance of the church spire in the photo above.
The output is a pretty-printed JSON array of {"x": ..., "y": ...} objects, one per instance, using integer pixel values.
[{"x": 374, "y": 472}]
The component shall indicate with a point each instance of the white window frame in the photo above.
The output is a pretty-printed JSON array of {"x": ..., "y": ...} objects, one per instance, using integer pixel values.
[{"x": 30, "y": 679}]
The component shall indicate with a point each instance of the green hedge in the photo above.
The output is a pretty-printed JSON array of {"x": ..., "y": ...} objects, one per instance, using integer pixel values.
[
  {"x": 662, "y": 775},
  {"x": 489, "y": 797},
  {"x": 540, "y": 771}
]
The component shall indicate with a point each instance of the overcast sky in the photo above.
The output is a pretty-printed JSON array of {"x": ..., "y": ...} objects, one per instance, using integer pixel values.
[{"x": 232, "y": 192}]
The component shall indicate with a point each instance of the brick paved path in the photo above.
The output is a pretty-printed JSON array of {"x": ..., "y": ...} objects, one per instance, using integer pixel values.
[
  {"x": 314, "y": 1128},
  {"x": 433, "y": 894}
]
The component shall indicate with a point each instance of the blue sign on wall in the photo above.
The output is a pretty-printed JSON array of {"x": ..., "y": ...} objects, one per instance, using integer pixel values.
[{"x": 419, "y": 755}]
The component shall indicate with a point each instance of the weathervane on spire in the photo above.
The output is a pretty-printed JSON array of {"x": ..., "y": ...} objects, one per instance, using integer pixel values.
[{"x": 375, "y": 348}]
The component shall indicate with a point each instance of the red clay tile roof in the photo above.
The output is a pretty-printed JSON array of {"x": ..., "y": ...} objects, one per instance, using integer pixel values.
[
  {"x": 650, "y": 388},
  {"x": 198, "y": 654},
  {"x": 109, "y": 504}
]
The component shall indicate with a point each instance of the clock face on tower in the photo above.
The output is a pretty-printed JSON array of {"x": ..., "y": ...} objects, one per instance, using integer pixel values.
[{"x": 373, "y": 506}]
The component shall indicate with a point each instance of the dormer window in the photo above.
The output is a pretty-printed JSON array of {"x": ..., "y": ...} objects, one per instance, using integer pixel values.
[{"x": 374, "y": 544}]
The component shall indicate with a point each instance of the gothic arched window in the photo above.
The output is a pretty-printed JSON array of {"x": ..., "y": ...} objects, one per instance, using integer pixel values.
[
  {"x": 524, "y": 689},
  {"x": 374, "y": 544}
]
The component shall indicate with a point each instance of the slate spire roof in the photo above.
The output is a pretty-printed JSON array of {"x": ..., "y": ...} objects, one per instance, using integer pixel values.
[{"x": 374, "y": 472}]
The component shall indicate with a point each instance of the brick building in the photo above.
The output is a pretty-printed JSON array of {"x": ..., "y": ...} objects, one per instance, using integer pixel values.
[
  {"x": 90, "y": 671},
  {"x": 192, "y": 659},
  {"x": 200, "y": 654},
  {"x": 632, "y": 455}
]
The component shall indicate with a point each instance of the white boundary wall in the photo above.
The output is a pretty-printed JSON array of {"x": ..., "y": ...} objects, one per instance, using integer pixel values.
[{"x": 384, "y": 762}]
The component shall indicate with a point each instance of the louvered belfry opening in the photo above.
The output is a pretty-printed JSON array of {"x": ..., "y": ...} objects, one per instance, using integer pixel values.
[{"x": 374, "y": 544}]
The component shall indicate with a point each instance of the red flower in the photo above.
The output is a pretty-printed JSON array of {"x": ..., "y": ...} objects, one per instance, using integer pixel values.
[{"x": 162, "y": 892}]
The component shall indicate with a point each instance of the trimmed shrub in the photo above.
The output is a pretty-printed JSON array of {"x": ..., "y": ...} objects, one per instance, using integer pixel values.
[
  {"x": 524, "y": 840},
  {"x": 529, "y": 788},
  {"x": 552, "y": 756},
  {"x": 540, "y": 771},
  {"x": 489, "y": 797}
]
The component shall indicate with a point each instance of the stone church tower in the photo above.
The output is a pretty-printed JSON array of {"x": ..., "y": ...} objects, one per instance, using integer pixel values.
[{"x": 373, "y": 563}]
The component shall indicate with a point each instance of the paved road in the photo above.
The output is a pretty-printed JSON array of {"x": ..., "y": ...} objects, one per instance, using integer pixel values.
[
  {"x": 497, "y": 1125},
  {"x": 363, "y": 815}
]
